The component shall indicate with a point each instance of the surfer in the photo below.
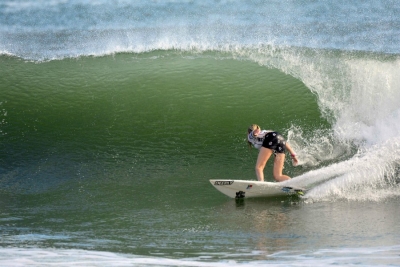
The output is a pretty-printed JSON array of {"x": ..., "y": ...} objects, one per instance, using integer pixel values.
[{"x": 269, "y": 142}]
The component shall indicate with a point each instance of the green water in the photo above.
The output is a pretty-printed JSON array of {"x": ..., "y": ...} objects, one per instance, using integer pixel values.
[{"x": 144, "y": 117}]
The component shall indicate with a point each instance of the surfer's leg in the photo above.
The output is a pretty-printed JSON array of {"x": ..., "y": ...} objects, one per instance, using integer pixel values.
[
  {"x": 262, "y": 159},
  {"x": 278, "y": 167}
]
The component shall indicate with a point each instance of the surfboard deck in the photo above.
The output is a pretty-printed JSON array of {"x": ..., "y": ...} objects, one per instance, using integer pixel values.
[{"x": 252, "y": 189}]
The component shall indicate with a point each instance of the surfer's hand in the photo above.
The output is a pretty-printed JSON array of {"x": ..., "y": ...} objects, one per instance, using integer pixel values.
[{"x": 295, "y": 161}]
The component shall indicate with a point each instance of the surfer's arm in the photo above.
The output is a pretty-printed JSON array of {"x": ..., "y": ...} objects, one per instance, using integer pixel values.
[{"x": 291, "y": 151}]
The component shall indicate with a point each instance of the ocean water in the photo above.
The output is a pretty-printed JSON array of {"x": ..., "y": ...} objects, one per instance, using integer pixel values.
[{"x": 115, "y": 114}]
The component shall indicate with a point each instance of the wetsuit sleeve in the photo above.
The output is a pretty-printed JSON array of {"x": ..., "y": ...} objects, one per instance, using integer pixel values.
[
  {"x": 251, "y": 138},
  {"x": 255, "y": 141}
]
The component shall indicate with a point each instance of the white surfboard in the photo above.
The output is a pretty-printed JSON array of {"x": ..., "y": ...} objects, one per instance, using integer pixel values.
[{"x": 252, "y": 189}]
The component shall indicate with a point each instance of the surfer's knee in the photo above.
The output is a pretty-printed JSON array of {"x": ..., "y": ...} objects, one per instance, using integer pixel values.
[
  {"x": 278, "y": 175},
  {"x": 281, "y": 178},
  {"x": 259, "y": 167}
]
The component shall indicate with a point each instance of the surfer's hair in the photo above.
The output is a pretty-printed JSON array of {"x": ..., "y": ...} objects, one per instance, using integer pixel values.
[{"x": 249, "y": 130}]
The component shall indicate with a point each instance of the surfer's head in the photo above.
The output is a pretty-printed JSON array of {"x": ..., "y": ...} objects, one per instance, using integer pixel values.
[{"x": 252, "y": 128}]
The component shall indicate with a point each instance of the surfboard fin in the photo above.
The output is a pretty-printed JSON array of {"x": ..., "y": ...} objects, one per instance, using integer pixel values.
[{"x": 240, "y": 194}]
